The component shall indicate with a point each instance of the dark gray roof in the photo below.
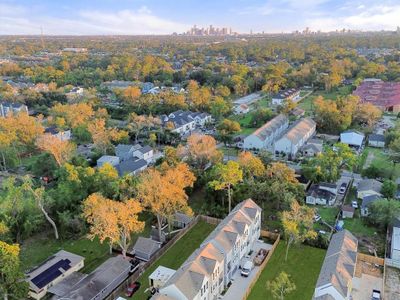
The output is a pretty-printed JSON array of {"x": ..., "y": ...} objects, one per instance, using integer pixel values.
[
  {"x": 376, "y": 137},
  {"x": 52, "y": 130},
  {"x": 367, "y": 200},
  {"x": 369, "y": 184},
  {"x": 130, "y": 166},
  {"x": 285, "y": 93},
  {"x": 99, "y": 279},
  {"x": 183, "y": 218},
  {"x": 339, "y": 264},
  {"x": 122, "y": 149},
  {"x": 145, "y": 245},
  {"x": 145, "y": 149}
]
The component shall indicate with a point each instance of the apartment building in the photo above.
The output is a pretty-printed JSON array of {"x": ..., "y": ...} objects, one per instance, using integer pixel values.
[
  {"x": 207, "y": 272},
  {"x": 264, "y": 136}
]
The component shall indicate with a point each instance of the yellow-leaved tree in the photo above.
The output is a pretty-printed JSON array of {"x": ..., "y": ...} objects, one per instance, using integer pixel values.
[
  {"x": 61, "y": 150},
  {"x": 298, "y": 224},
  {"x": 251, "y": 165},
  {"x": 226, "y": 176},
  {"x": 162, "y": 191},
  {"x": 112, "y": 220}
]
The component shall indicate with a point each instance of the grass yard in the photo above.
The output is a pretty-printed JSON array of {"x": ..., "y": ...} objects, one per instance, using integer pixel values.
[
  {"x": 303, "y": 266},
  {"x": 176, "y": 255},
  {"x": 307, "y": 103},
  {"x": 382, "y": 161},
  {"x": 40, "y": 247},
  {"x": 229, "y": 151}
]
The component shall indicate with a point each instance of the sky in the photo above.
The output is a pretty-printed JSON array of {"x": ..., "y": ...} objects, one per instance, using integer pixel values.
[{"x": 131, "y": 17}]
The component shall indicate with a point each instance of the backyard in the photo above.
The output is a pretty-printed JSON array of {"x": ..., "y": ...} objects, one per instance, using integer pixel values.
[
  {"x": 381, "y": 161},
  {"x": 40, "y": 247},
  {"x": 307, "y": 103},
  {"x": 176, "y": 255},
  {"x": 302, "y": 260}
]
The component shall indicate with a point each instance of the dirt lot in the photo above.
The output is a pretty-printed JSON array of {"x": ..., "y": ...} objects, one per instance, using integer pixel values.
[{"x": 392, "y": 284}]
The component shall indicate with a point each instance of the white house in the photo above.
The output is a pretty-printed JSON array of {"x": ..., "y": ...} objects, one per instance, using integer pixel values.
[
  {"x": 208, "y": 271},
  {"x": 296, "y": 137},
  {"x": 376, "y": 140},
  {"x": 12, "y": 108},
  {"x": 241, "y": 109},
  {"x": 184, "y": 122},
  {"x": 52, "y": 271},
  {"x": 160, "y": 277},
  {"x": 74, "y": 93},
  {"x": 352, "y": 138},
  {"x": 366, "y": 202},
  {"x": 337, "y": 271},
  {"x": 393, "y": 256},
  {"x": 264, "y": 136},
  {"x": 62, "y": 135},
  {"x": 282, "y": 96},
  {"x": 137, "y": 151}
]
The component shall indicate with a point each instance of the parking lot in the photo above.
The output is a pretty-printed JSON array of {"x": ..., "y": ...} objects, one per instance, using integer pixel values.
[{"x": 240, "y": 284}]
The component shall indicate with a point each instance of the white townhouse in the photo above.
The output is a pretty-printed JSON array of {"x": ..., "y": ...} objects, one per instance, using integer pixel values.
[
  {"x": 7, "y": 108},
  {"x": 207, "y": 272},
  {"x": 62, "y": 135},
  {"x": 296, "y": 137},
  {"x": 264, "y": 136},
  {"x": 184, "y": 122},
  {"x": 285, "y": 95}
]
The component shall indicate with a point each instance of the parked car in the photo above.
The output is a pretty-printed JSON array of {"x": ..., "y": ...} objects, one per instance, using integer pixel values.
[
  {"x": 354, "y": 204},
  {"x": 132, "y": 288},
  {"x": 246, "y": 269},
  {"x": 376, "y": 295},
  {"x": 343, "y": 188},
  {"x": 322, "y": 232}
]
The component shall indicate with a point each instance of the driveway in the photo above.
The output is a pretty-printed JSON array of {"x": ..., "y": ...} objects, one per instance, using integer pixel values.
[
  {"x": 240, "y": 284},
  {"x": 362, "y": 287}
]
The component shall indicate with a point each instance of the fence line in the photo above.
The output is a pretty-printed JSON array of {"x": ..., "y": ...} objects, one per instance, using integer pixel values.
[
  {"x": 143, "y": 267},
  {"x": 266, "y": 234}
]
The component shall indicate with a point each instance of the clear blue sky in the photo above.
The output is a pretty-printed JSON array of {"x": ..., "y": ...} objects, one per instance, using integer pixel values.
[{"x": 167, "y": 16}]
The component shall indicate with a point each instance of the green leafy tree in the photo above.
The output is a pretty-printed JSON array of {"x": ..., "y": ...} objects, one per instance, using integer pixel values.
[
  {"x": 226, "y": 177},
  {"x": 12, "y": 283},
  {"x": 298, "y": 224},
  {"x": 226, "y": 129},
  {"x": 389, "y": 188},
  {"x": 281, "y": 286},
  {"x": 384, "y": 212}
]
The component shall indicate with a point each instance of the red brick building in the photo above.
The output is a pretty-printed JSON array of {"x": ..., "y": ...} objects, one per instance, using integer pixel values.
[{"x": 385, "y": 95}]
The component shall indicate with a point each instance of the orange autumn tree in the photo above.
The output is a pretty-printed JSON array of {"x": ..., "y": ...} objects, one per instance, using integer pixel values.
[
  {"x": 62, "y": 151},
  {"x": 102, "y": 136},
  {"x": 200, "y": 151},
  {"x": 112, "y": 220},
  {"x": 162, "y": 191}
]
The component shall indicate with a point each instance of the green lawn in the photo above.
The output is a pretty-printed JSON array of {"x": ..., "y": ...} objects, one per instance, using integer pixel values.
[
  {"x": 382, "y": 161},
  {"x": 176, "y": 255},
  {"x": 303, "y": 265},
  {"x": 230, "y": 151},
  {"x": 40, "y": 247},
  {"x": 307, "y": 103}
]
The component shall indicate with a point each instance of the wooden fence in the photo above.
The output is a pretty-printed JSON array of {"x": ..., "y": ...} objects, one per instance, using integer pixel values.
[
  {"x": 366, "y": 264},
  {"x": 144, "y": 266},
  {"x": 269, "y": 235}
]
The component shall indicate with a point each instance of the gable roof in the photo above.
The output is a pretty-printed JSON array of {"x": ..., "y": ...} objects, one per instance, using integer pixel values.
[
  {"x": 376, "y": 138},
  {"x": 339, "y": 263},
  {"x": 299, "y": 130},
  {"x": 369, "y": 185},
  {"x": 269, "y": 128},
  {"x": 367, "y": 200},
  {"x": 129, "y": 166},
  {"x": 145, "y": 245}
]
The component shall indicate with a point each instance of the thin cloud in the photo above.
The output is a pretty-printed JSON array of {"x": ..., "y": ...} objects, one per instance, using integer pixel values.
[{"x": 141, "y": 21}]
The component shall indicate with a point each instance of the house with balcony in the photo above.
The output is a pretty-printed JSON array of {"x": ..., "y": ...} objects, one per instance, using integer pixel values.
[{"x": 209, "y": 270}]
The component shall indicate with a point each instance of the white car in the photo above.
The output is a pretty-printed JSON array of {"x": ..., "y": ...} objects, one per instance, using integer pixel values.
[
  {"x": 354, "y": 204},
  {"x": 246, "y": 269}
]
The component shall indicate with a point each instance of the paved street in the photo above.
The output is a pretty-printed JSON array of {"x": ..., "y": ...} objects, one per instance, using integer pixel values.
[{"x": 239, "y": 284}]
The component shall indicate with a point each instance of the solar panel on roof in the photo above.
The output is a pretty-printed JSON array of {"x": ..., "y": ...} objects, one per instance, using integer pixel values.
[{"x": 51, "y": 273}]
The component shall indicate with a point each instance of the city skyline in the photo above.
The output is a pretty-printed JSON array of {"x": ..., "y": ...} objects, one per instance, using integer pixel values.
[{"x": 133, "y": 17}]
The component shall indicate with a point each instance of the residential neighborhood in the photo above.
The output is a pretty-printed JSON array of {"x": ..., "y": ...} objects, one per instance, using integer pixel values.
[{"x": 205, "y": 164}]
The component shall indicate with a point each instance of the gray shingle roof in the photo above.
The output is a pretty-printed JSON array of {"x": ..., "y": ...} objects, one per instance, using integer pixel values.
[
  {"x": 145, "y": 245},
  {"x": 130, "y": 166},
  {"x": 339, "y": 264},
  {"x": 376, "y": 138},
  {"x": 369, "y": 184}
]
